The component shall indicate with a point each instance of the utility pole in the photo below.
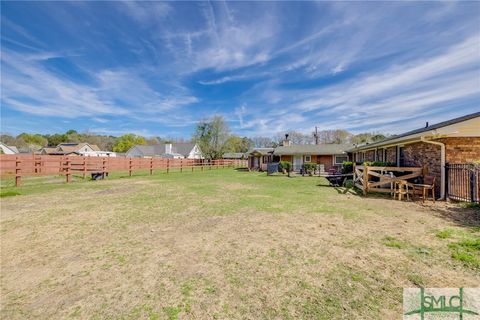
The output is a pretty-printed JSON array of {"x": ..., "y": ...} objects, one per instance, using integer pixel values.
[{"x": 316, "y": 135}]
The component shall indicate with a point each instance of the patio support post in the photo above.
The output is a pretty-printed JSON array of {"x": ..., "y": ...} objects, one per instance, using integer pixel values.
[
  {"x": 442, "y": 165},
  {"x": 365, "y": 180}
]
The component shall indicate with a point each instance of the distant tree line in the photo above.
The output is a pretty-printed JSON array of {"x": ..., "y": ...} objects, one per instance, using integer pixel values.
[
  {"x": 213, "y": 135},
  {"x": 332, "y": 136},
  {"x": 27, "y": 142}
]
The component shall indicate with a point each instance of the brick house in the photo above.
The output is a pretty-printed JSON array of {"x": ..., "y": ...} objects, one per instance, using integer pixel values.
[
  {"x": 453, "y": 141},
  {"x": 327, "y": 156},
  {"x": 259, "y": 157}
]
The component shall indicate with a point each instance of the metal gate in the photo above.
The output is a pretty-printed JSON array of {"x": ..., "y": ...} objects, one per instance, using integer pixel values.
[{"x": 463, "y": 182}]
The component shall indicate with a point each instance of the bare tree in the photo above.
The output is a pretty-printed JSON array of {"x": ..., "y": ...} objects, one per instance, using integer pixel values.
[
  {"x": 263, "y": 142},
  {"x": 334, "y": 136}
]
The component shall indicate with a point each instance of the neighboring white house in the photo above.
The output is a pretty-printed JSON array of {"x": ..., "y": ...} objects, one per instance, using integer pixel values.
[
  {"x": 8, "y": 149},
  {"x": 82, "y": 149},
  {"x": 167, "y": 150}
]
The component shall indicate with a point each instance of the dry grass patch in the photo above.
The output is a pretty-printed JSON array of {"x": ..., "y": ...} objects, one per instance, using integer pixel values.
[{"x": 223, "y": 245}]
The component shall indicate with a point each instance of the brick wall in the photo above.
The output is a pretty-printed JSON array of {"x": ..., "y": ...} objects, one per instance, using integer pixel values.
[
  {"x": 370, "y": 155},
  {"x": 461, "y": 150},
  {"x": 326, "y": 160},
  {"x": 421, "y": 154},
  {"x": 392, "y": 154}
]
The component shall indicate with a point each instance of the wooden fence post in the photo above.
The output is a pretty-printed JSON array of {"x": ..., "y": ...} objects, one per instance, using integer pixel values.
[
  {"x": 130, "y": 167},
  {"x": 201, "y": 163},
  {"x": 60, "y": 167},
  {"x": 181, "y": 165},
  {"x": 151, "y": 165},
  {"x": 68, "y": 174},
  {"x": 365, "y": 180},
  {"x": 84, "y": 168},
  {"x": 193, "y": 164},
  {"x": 104, "y": 167},
  {"x": 18, "y": 172},
  {"x": 168, "y": 165},
  {"x": 34, "y": 163}
]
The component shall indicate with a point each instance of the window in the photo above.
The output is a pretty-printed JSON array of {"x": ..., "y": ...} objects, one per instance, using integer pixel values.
[
  {"x": 401, "y": 156},
  {"x": 380, "y": 155},
  {"x": 308, "y": 158},
  {"x": 340, "y": 159}
]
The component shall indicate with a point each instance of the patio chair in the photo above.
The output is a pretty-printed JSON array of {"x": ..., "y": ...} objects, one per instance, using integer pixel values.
[
  {"x": 332, "y": 171},
  {"x": 423, "y": 189}
]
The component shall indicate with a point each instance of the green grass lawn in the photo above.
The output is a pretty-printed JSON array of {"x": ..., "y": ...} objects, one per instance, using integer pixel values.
[{"x": 223, "y": 244}]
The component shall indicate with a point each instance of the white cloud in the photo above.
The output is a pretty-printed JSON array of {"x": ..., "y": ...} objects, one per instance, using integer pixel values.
[
  {"x": 29, "y": 87},
  {"x": 146, "y": 12},
  {"x": 382, "y": 99}
]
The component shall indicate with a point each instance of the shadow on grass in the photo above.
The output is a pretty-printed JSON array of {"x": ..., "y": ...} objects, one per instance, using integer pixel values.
[
  {"x": 461, "y": 214},
  {"x": 344, "y": 190}
]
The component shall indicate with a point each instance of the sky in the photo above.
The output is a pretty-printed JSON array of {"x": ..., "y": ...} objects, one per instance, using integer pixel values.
[{"x": 157, "y": 68}]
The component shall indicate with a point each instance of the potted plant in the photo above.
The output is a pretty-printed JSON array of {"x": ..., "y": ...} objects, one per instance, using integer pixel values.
[
  {"x": 309, "y": 168},
  {"x": 285, "y": 167}
]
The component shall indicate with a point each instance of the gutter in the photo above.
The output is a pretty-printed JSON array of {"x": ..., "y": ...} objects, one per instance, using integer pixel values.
[{"x": 442, "y": 164}]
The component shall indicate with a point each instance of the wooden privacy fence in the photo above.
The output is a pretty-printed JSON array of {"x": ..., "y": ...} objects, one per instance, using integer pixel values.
[
  {"x": 463, "y": 182},
  {"x": 19, "y": 166},
  {"x": 382, "y": 179}
]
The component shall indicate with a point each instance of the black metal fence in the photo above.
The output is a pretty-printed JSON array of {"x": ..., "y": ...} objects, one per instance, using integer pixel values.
[{"x": 463, "y": 182}]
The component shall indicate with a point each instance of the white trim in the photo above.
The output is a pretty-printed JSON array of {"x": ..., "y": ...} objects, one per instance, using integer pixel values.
[{"x": 309, "y": 160}]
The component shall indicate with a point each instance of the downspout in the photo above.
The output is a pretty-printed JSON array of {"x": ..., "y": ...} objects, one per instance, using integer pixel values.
[{"x": 442, "y": 165}]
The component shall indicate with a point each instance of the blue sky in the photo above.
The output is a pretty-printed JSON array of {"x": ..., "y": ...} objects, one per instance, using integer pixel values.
[{"x": 156, "y": 68}]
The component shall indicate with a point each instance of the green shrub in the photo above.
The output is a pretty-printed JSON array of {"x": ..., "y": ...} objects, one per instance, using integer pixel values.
[
  {"x": 348, "y": 184},
  {"x": 287, "y": 165},
  {"x": 347, "y": 167},
  {"x": 309, "y": 167}
]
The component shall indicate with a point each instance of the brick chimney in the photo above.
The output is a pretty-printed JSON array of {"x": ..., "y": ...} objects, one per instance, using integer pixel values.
[{"x": 286, "y": 142}]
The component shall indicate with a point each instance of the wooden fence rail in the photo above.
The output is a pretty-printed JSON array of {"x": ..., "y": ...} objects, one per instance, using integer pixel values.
[
  {"x": 382, "y": 179},
  {"x": 19, "y": 166}
]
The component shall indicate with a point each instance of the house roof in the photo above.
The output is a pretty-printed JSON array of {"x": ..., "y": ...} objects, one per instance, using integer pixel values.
[
  {"x": 11, "y": 148},
  {"x": 233, "y": 155},
  {"x": 182, "y": 148},
  {"x": 159, "y": 149},
  {"x": 407, "y": 135},
  {"x": 312, "y": 149},
  {"x": 72, "y": 147},
  {"x": 49, "y": 149},
  {"x": 261, "y": 151}
]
